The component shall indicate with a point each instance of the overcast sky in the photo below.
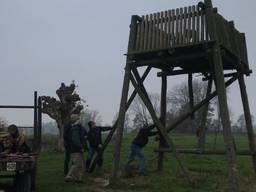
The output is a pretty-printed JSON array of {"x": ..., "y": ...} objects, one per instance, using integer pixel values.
[{"x": 44, "y": 43}]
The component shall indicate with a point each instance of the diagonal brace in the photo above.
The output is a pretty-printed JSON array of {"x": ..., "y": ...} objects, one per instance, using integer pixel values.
[
  {"x": 140, "y": 89},
  {"x": 111, "y": 133}
]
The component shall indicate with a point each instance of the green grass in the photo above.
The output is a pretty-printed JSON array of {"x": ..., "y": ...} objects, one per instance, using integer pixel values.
[{"x": 209, "y": 172}]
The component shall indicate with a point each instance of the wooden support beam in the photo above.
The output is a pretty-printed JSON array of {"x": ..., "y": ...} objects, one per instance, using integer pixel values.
[
  {"x": 172, "y": 73},
  {"x": 191, "y": 94},
  {"x": 202, "y": 128},
  {"x": 122, "y": 109},
  {"x": 225, "y": 75},
  {"x": 16, "y": 107},
  {"x": 162, "y": 143},
  {"x": 233, "y": 175},
  {"x": 35, "y": 141},
  {"x": 206, "y": 152},
  {"x": 120, "y": 125},
  {"x": 39, "y": 123},
  {"x": 140, "y": 89},
  {"x": 111, "y": 133},
  {"x": 248, "y": 120},
  {"x": 198, "y": 106},
  {"x": 174, "y": 59}
]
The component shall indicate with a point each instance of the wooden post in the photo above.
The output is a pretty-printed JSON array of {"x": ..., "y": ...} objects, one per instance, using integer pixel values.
[
  {"x": 35, "y": 146},
  {"x": 39, "y": 123},
  {"x": 162, "y": 143},
  {"x": 122, "y": 109},
  {"x": 120, "y": 125},
  {"x": 191, "y": 95},
  {"x": 248, "y": 120},
  {"x": 202, "y": 128},
  {"x": 220, "y": 86}
]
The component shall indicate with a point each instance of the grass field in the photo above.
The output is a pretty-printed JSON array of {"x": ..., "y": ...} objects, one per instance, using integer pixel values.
[{"x": 210, "y": 172}]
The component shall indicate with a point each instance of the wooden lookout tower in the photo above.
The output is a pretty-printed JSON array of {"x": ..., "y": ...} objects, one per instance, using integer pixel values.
[{"x": 186, "y": 41}]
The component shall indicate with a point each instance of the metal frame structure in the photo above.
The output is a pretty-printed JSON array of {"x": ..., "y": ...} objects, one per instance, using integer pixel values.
[
  {"x": 28, "y": 164},
  {"x": 37, "y": 127}
]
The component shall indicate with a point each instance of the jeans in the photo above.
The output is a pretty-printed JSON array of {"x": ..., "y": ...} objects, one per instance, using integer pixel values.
[
  {"x": 136, "y": 151},
  {"x": 90, "y": 155}
]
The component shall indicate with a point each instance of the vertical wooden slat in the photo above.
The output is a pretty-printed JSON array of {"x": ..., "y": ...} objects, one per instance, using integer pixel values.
[
  {"x": 193, "y": 24},
  {"x": 207, "y": 26},
  {"x": 229, "y": 32},
  {"x": 154, "y": 32},
  {"x": 142, "y": 33},
  {"x": 185, "y": 28},
  {"x": 233, "y": 38},
  {"x": 244, "y": 50},
  {"x": 222, "y": 32},
  {"x": 169, "y": 30},
  {"x": 197, "y": 24},
  {"x": 236, "y": 43},
  {"x": 145, "y": 33},
  {"x": 157, "y": 30},
  {"x": 166, "y": 29},
  {"x": 173, "y": 28},
  {"x": 202, "y": 25},
  {"x": 189, "y": 34},
  {"x": 137, "y": 44},
  {"x": 177, "y": 27},
  {"x": 161, "y": 35},
  {"x": 227, "y": 29},
  {"x": 181, "y": 26},
  {"x": 150, "y": 31},
  {"x": 239, "y": 44}
]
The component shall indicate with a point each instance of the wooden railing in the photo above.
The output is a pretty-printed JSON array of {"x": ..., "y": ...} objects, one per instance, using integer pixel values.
[
  {"x": 231, "y": 39},
  {"x": 171, "y": 28},
  {"x": 183, "y": 27}
]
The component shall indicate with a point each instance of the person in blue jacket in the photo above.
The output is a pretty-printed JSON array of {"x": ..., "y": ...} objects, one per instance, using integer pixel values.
[{"x": 74, "y": 139}]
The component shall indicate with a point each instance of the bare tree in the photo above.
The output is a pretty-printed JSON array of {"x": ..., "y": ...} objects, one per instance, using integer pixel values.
[
  {"x": 178, "y": 103},
  {"x": 60, "y": 109}
]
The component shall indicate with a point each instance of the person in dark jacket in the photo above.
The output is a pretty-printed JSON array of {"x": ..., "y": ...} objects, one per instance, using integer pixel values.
[
  {"x": 138, "y": 143},
  {"x": 95, "y": 143},
  {"x": 74, "y": 144}
]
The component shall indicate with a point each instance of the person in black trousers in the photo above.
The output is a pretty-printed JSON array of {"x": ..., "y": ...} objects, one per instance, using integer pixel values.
[
  {"x": 138, "y": 143},
  {"x": 95, "y": 144}
]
